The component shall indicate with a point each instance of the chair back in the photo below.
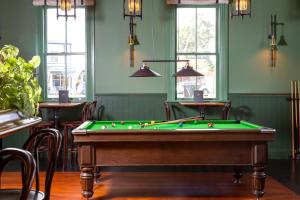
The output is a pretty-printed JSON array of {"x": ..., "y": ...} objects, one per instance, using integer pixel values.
[
  {"x": 28, "y": 167},
  {"x": 225, "y": 110},
  {"x": 54, "y": 139},
  {"x": 92, "y": 108}
]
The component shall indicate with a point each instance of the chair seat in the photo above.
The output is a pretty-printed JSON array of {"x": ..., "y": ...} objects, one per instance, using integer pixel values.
[{"x": 14, "y": 194}]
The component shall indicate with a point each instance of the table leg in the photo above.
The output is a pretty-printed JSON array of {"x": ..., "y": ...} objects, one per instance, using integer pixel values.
[
  {"x": 56, "y": 118},
  {"x": 202, "y": 112},
  {"x": 87, "y": 181},
  {"x": 237, "y": 174},
  {"x": 258, "y": 180}
]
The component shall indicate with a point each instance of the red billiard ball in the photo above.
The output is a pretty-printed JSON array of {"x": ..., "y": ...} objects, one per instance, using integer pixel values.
[
  {"x": 122, "y": 122},
  {"x": 113, "y": 124},
  {"x": 210, "y": 125}
]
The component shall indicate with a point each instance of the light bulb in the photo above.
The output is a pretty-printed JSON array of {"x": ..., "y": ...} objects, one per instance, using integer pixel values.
[
  {"x": 241, "y": 5},
  {"x": 133, "y": 6},
  {"x": 65, "y": 5}
]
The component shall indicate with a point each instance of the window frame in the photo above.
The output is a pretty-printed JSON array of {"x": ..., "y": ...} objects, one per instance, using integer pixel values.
[
  {"x": 221, "y": 53},
  {"x": 89, "y": 54}
]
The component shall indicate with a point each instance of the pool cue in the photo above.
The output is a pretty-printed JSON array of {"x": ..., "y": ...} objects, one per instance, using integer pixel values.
[
  {"x": 293, "y": 125},
  {"x": 296, "y": 114},
  {"x": 298, "y": 133},
  {"x": 177, "y": 121}
]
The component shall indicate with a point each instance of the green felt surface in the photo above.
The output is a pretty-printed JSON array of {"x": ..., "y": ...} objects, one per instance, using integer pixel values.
[{"x": 202, "y": 124}]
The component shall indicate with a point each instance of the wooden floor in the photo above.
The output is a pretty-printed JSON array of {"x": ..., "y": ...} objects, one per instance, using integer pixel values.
[{"x": 158, "y": 186}]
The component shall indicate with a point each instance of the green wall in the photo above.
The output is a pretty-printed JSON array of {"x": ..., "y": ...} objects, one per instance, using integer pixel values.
[
  {"x": 249, "y": 52},
  {"x": 19, "y": 25}
]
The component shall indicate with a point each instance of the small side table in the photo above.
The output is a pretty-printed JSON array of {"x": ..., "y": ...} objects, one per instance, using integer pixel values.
[
  {"x": 202, "y": 105},
  {"x": 56, "y": 106}
]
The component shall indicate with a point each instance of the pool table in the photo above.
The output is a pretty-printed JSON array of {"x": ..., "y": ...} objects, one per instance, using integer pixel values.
[{"x": 134, "y": 143}]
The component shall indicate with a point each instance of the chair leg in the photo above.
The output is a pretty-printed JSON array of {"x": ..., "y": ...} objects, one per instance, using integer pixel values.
[{"x": 66, "y": 130}]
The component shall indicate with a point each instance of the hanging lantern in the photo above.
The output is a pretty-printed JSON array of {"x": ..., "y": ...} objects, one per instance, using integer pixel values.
[
  {"x": 66, "y": 8},
  {"x": 133, "y": 8},
  {"x": 240, "y": 8},
  {"x": 65, "y": 5}
]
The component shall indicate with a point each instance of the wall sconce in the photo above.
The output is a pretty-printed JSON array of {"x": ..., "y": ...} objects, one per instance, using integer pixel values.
[
  {"x": 145, "y": 71},
  {"x": 132, "y": 9},
  {"x": 240, "y": 7},
  {"x": 273, "y": 38},
  {"x": 64, "y": 7}
]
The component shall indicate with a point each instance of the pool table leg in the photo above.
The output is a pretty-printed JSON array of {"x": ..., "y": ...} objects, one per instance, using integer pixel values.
[
  {"x": 87, "y": 181},
  {"x": 258, "y": 180}
]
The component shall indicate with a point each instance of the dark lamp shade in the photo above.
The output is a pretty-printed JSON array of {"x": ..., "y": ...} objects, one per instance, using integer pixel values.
[
  {"x": 187, "y": 71},
  {"x": 282, "y": 41},
  {"x": 145, "y": 71}
]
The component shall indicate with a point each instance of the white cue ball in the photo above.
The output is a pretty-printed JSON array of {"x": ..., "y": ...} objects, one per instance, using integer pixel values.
[
  {"x": 103, "y": 127},
  {"x": 129, "y": 127}
]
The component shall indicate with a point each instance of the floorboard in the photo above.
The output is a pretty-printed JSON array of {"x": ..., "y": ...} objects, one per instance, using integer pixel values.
[{"x": 158, "y": 186}]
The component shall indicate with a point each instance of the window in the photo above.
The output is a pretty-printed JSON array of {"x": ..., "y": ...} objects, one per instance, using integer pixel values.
[
  {"x": 197, "y": 42},
  {"x": 66, "y": 54}
]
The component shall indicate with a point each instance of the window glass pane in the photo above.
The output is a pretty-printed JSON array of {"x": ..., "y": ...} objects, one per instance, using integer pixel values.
[
  {"x": 75, "y": 32},
  {"x": 55, "y": 32},
  {"x": 55, "y": 75},
  {"x": 206, "y": 65},
  {"x": 206, "y": 30},
  {"x": 186, "y": 85},
  {"x": 186, "y": 29},
  {"x": 76, "y": 71}
]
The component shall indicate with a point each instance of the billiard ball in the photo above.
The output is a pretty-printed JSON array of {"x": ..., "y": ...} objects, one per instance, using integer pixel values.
[
  {"x": 113, "y": 124},
  {"x": 180, "y": 124},
  {"x": 140, "y": 123},
  {"x": 210, "y": 125},
  {"x": 129, "y": 127},
  {"x": 152, "y": 122},
  {"x": 103, "y": 127},
  {"x": 146, "y": 124},
  {"x": 122, "y": 122}
]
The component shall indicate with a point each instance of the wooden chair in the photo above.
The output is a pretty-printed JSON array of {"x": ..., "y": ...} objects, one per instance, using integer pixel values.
[
  {"x": 225, "y": 110},
  {"x": 32, "y": 144},
  {"x": 86, "y": 114},
  {"x": 167, "y": 110},
  {"x": 42, "y": 125},
  {"x": 28, "y": 166}
]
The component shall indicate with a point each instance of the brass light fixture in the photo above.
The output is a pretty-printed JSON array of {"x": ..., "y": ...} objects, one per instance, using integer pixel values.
[
  {"x": 145, "y": 71},
  {"x": 240, "y": 8},
  {"x": 273, "y": 39},
  {"x": 64, "y": 8},
  {"x": 132, "y": 9}
]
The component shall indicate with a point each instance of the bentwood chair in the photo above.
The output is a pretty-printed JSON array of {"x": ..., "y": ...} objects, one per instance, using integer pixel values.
[
  {"x": 28, "y": 167},
  {"x": 32, "y": 144},
  {"x": 86, "y": 114}
]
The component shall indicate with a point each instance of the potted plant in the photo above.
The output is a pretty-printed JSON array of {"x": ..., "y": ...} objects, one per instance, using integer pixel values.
[{"x": 19, "y": 89}]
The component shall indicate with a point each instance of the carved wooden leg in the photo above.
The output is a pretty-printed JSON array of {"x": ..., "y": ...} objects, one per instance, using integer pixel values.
[
  {"x": 97, "y": 174},
  {"x": 87, "y": 181},
  {"x": 258, "y": 180},
  {"x": 237, "y": 174}
]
